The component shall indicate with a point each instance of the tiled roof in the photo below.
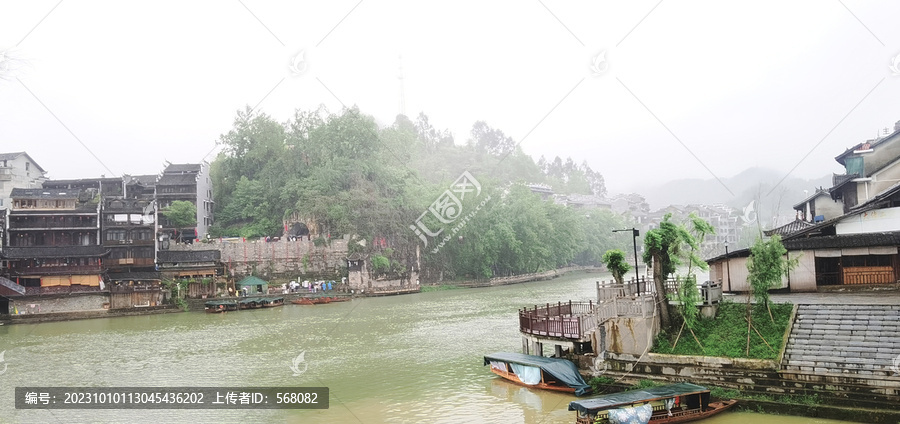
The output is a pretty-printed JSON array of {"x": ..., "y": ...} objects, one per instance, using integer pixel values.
[
  {"x": 147, "y": 180},
  {"x": 740, "y": 253},
  {"x": 12, "y": 156},
  {"x": 251, "y": 281},
  {"x": 189, "y": 256},
  {"x": 43, "y": 193},
  {"x": 844, "y": 241},
  {"x": 789, "y": 228},
  {"x": 54, "y": 252},
  {"x": 180, "y": 168},
  {"x": 81, "y": 181}
]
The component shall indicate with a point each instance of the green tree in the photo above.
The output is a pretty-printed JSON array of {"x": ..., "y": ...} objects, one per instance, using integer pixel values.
[
  {"x": 181, "y": 214},
  {"x": 687, "y": 295},
  {"x": 664, "y": 251},
  {"x": 615, "y": 262},
  {"x": 767, "y": 263}
]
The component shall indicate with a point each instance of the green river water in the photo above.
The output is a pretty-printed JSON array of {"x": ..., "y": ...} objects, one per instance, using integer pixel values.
[{"x": 402, "y": 359}]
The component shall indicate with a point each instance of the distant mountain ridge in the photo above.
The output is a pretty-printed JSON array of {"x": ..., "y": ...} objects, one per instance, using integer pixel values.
[{"x": 752, "y": 184}]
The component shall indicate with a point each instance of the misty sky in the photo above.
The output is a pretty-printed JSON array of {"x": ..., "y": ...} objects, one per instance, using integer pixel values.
[{"x": 682, "y": 86}]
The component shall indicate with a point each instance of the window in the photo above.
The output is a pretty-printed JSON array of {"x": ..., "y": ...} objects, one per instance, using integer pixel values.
[
  {"x": 115, "y": 235},
  {"x": 866, "y": 261}
]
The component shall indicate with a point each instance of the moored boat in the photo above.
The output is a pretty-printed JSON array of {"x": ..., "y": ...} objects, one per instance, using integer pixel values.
[
  {"x": 218, "y": 306},
  {"x": 249, "y": 303},
  {"x": 538, "y": 372},
  {"x": 333, "y": 299},
  {"x": 671, "y": 403},
  {"x": 271, "y": 302},
  {"x": 302, "y": 301}
]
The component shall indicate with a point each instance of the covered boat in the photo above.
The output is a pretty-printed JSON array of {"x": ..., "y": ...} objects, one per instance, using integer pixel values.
[
  {"x": 537, "y": 371},
  {"x": 214, "y": 306},
  {"x": 672, "y": 403},
  {"x": 271, "y": 302},
  {"x": 249, "y": 303}
]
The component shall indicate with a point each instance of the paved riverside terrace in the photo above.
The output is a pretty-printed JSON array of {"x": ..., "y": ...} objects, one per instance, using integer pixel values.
[{"x": 835, "y": 298}]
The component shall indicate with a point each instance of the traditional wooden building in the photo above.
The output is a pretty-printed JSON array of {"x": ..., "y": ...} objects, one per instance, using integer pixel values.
[
  {"x": 191, "y": 183},
  {"x": 52, "y": 241},
  {"x": 134, "y": 289}
]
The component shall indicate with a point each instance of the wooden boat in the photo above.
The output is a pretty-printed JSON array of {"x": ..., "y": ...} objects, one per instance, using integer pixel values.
[
  {"x": 249, "y": 303},
  {"x": 219, "y": 306},
  {"x": 320, "y": 300},
  {"x": 333, "y": 299},
  {"x": 538, "y": 372},
  {"x": 302, "y": 301},
  {"x": 672, "y": 403},
  {"x": 271, "y": 302}
]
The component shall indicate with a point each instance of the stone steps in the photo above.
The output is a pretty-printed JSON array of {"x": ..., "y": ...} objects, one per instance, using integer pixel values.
[{"x": 845, "y": 340}]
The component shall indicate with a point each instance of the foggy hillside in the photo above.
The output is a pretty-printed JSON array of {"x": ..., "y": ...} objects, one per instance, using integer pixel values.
[{"x": 751, "y": 184}]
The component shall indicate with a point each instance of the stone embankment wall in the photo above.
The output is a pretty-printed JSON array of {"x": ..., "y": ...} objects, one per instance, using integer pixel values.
[
  {"x": 277, "y": 258},
  {"x": 49, "y": 304},
  {"x": 750, "y": 376},
  {"x": 524, "y": 278}
]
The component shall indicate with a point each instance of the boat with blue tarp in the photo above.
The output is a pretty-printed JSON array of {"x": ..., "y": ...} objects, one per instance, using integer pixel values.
[
  {"x": 538, "y": 371},
  {"x": 671, "y": 403}
]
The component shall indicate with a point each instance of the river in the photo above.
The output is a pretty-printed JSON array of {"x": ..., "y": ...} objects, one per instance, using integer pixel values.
[{"x": 402, "y": 359}]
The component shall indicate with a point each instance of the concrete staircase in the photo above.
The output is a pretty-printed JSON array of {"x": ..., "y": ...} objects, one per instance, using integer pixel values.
[{"x": 850, "y": 341}]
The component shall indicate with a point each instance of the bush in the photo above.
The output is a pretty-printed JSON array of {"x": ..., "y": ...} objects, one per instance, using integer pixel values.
[{"x": 380, "y": 263}]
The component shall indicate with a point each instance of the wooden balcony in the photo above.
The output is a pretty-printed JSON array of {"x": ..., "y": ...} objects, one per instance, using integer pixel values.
[
  {"x": 57, "y": 270},
  {"x": 571, "y": 320}
]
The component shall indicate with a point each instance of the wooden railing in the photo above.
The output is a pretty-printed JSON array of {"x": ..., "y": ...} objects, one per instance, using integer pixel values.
[
  {"x": 643, "y": 306},
  {"x": 869, "y": 275},
  {"x": 570, "y": 320},
  {"x": 57, "y": 269}
]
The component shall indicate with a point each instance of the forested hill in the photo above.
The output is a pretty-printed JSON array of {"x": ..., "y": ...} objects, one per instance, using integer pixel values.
[{"x": 340, "y": 173}]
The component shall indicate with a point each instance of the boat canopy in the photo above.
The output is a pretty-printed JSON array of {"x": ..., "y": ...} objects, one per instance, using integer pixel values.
[
  {"x": 561, "y": 369},
  {"x": 614, "y": 400},
  {"x": 214, "y": 303}
]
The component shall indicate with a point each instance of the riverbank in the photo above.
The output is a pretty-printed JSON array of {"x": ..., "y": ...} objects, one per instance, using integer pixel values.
[
  {"x": 90, "y": 314},
  {"x": 503, "y": 281},
  {"x": 773, "y": 404}
]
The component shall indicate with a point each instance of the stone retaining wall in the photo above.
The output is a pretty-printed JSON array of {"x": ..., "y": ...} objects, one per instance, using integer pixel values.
[
  {"x": 277, "y": 258},
  {"x": 31, "y": 305},
  {"x": 524, "y": 278},
  {"x": 752, "y": 376}
]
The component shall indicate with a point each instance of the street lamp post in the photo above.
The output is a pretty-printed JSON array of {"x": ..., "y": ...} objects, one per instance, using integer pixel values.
[{"x": 635, "y": 233}]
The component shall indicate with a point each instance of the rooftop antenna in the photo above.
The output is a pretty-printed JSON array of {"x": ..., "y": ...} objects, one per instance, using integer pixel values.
[{"x": 402, "y": 92}]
